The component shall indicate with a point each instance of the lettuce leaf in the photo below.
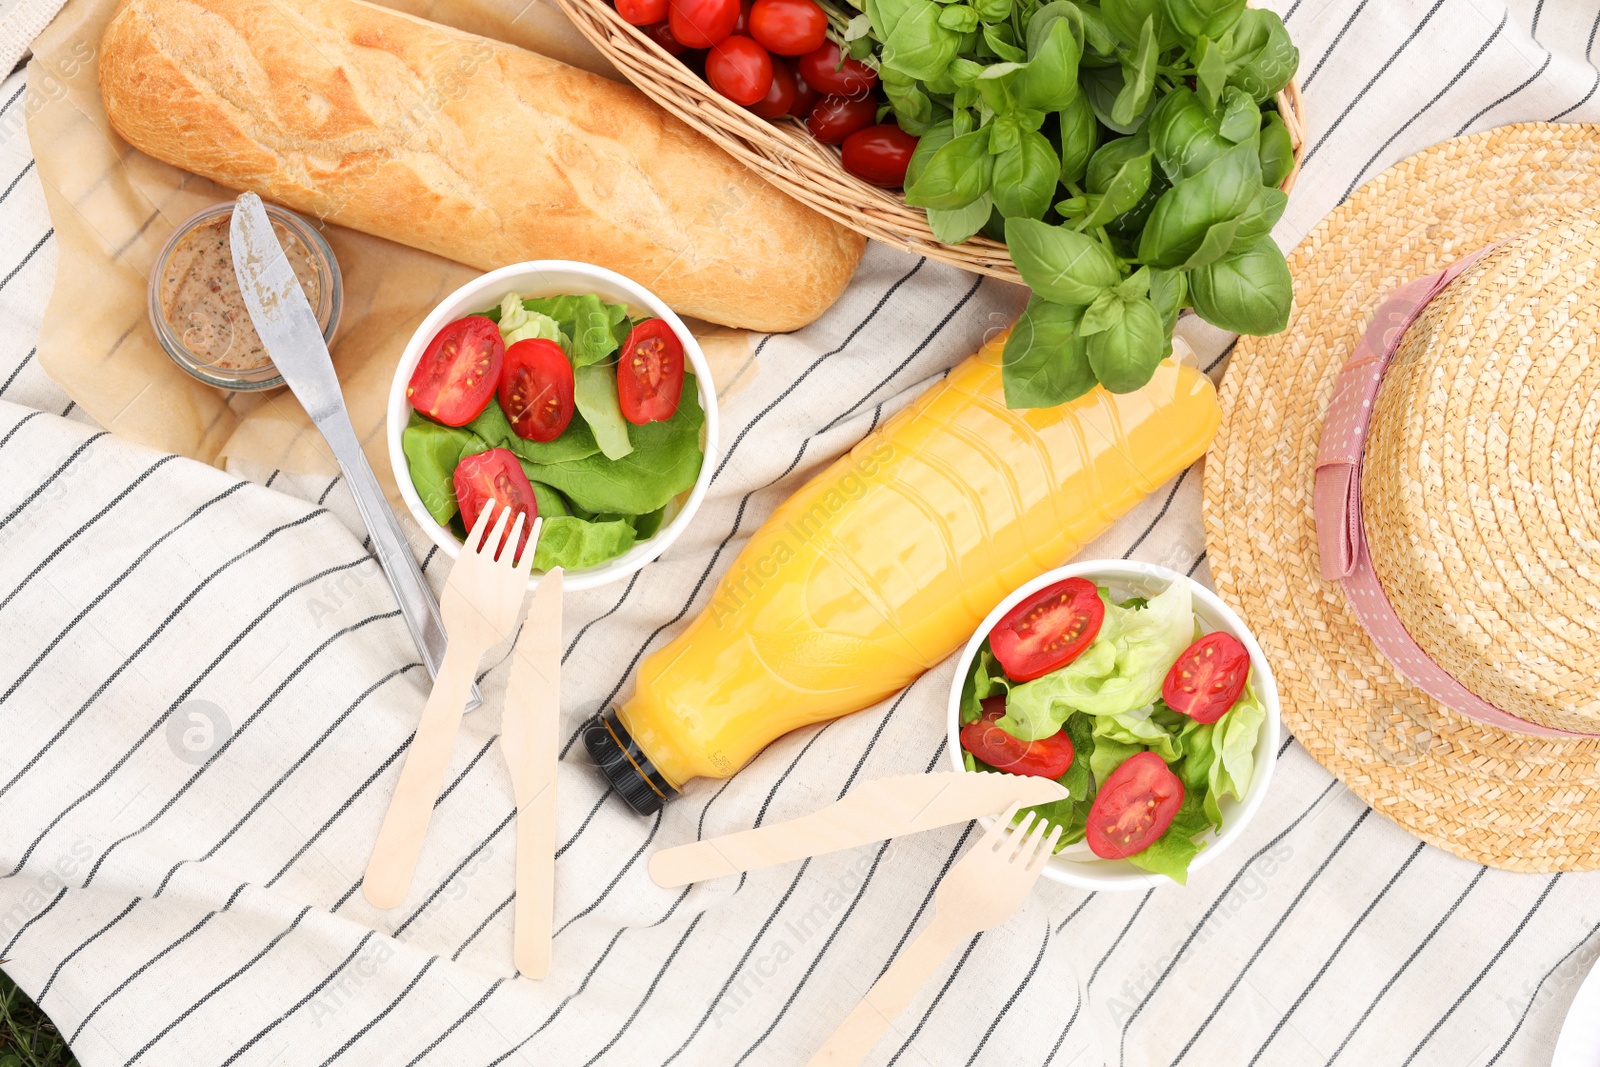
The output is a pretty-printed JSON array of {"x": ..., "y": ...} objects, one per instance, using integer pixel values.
[
  {"x": 594, "y": 327},
  {"x": 1171, "y": 853},
  {"x": 573, "y": 543},
  {"x": 517, "y": 323},
  {"x": 432, "y": 451},
  {"x": 1235, "y": 736},
  {"x": 595, "y": 390},
  {"x": 985, "y": 678}
]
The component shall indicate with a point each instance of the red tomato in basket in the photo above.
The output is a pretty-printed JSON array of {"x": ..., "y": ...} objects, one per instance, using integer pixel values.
[
  {"x": 458, "y": 371},
  {"x": 650, "y": 373},
  {"x": 661, "y": 33},
  {"x": 1208, "y": 677},
  {"x": 780, "y": 95},
  {"x": 805, "y": 97},
  {"x": 1135, "y": 805},
  {"x": 879, "y": 154},
  {"x": 739, "y": 69},
  {"x": 642, "y": 12},
  {"x": 702, "y": 23},
  {"x": 788, "y": 27},
  {"x": 824, "y": 70},
  {"x": 496, "y": 475},
  {"x": 1048, "y": 630},
  {"x": 536, "y": 389},
  {"x": 1048, "y": 758},
  {"x": 834, "y": 118}
]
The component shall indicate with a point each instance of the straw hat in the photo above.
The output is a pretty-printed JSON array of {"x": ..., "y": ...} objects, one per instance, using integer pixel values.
[{"x": 1479, "y": 494}]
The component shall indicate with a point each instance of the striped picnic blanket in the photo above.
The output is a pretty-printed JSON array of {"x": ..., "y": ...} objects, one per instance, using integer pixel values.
[{"x": 205, "y": 692}]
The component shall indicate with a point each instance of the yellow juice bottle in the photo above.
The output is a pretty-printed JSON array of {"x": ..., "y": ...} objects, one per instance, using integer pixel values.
[{"x": 887, "y": 561}]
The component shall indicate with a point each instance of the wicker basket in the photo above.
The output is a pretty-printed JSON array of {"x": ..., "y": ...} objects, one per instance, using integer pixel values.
[{"x": 785, "y": 153}]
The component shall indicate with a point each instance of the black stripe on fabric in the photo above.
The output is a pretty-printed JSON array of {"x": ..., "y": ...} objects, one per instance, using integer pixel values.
[
  {"x": 51, "y": 232},
  {"x": 323, "y": 499},
  {"x": 649, "y": 991},
  {"x": 937, "y": 997},
  {"x": 1065, "y": 1030},
  {"x": 568, "y": 999},
  {"x": 382, "y": 1015},
  {"x": 445, "y": 882},
  {"x": 92, "y": 938},
  {"x": 1012, "y": 999},
  {"x": 36, "y": 917},
  {"x": 1075, "y": 911},
  {"x": 927, "y": 898},
  {"x": 302, "y": 1002},
  {"x": 1201, "y": 558},
  {"x": 1206, "y": 917},
  {"x": 1265, "y": 941},
  {"x": 1283, "y": 1019},
  {"x": 1351, "y": 106},
  {"x": 344, "y": 806},
  {"x": 141, "y": 969},
  {"x": 157, "y": 725},
  {"x": 13, "y": 99},
  {"x": 464, "y": 1016},
  {"x": 1557, "y": 118},
  {"x": 67, "y": 541},
  {"x": 1333, "y": 45},
  {"x": 1531, "y": 79},
  {"x": 1395, "y": 977},
  {"x": 1124, "y": 933},
  {"x": 915, "y": 352},
  {"x": 1451, "y": 84},
  {"x": 1171, "y": 496},
  {"x": 71, "y": 404},
  {"x": 49, "y": 481},
  {"x": 1501, "y": 951},
  {"x": 222, "y": 749},
  {"x": 614, "y": 609},
  {"x": 220, "y": 986},
  {"x": 18, "y": 370},
  {"x": 284, "y": 777},
  {"x": 1533, "y": 998},
  {"x": 651, "y": 836},
  {"x": 19, "y": 424}
]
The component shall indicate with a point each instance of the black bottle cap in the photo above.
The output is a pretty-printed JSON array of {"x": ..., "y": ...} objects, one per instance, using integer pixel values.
[{"x": 625, "y": 765}]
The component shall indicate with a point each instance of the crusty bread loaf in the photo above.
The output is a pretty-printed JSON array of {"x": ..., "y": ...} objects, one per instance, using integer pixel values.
[{"x": 476, "y": 150}]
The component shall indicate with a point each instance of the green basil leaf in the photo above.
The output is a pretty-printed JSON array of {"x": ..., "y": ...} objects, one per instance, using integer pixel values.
[
  {"x": 1044, "y": 19},
  {"x": 1249, "y": 292},
  {"x": 1073, "y": 207},
  {"x": 1138, "y": 81},
  {"x": 1126, "y": 355},
  {"x": 918, "y": 45},
  {"x": 1026, "y": 177},
  {"x": 1126, "y": 18},
  {"x": 993, "y": 10},
  {"x": 957, "y": 174},
  {"x": 1262, "y": 58},
  {"x": 1045, "y": 361},
  {"x": 1110, "y": 157},
  {"x": 1211, "y": 72},
  {"x": 1215, "y": 245},
  {"x": 1106, "y": 312},
  {"x": 953, "y": 227},
  {"x": 1240, "y": 118},
  {"x": 1134, "y": 285},
  {"x": 937, "y": 136},
  {"x": 914, "y": 111},
  {"x": 1050, "y": 80},
  {"x": 1060, "y": 264},
  {"x": 998, "y": 37},
  {"x": 1079, "y": 133},
  {"x": 1005, "y": 134},
  {"x": 1277, "y": 151},
  {"x": 959, "y": 17},
  {"x": 1184, "y": 134},
  {"x": 1168, "y": 290},
  {"x": 1103, "y": 86},
  {"x": 1262, "y": 215},
  {"x": 1203, "y": 18},
  {"x": 1184, "y": 214},
  {"x": 1122, "y": 191},
  {"x": 1126, "y": 227}
]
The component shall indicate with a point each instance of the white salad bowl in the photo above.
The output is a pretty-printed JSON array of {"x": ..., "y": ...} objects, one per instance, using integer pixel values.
[
  {"x": 1076, "y": 865},
  {"x": 541, "y": 278}
]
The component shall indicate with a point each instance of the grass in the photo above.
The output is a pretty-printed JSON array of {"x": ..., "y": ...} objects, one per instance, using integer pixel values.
[{"x": 27, "y": 1036}]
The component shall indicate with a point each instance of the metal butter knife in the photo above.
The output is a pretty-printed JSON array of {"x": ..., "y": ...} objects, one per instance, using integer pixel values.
[
  {"x": 292, "y": 337},
  {"x": 873, "y": 811}
]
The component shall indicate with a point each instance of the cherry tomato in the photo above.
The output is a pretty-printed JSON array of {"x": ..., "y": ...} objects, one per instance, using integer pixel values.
[
  {"x": 739, "y": 69},
  {"x": 458, "y": 371},
  {"x": 536, "y": 389},
  {"x": 805, "y": 97},
  {"x": 702, "y": 23},
  {"x": 496, "y": 475},
  {"x": 1050, "y": 629},
  {"x": 650, "y": 373},
  {"x": 823, "y": 69},
  {"x": 1208, "y": 677},
  {"x": 661, "y": 33},
  {"x": 780, "y": 95},
  {"x": 834, "y": 118},
  {"x": 879, "y": 154},
  {"x": 1048, "y": 758},
  {"x": 1135, "y": 805},
  {"x": 788, "y": 27},
  {"x": 642, "y": 12}
]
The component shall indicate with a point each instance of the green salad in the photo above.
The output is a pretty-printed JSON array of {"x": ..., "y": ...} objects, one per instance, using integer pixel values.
[
  {"x": 568, "y": 406},
  {"x": 1146, "y": 721}
]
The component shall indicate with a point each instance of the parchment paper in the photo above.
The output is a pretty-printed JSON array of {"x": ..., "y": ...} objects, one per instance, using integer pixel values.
[{"x": 113, "y": 208}]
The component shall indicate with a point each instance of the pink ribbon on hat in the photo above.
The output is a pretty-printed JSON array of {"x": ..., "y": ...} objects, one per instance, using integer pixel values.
[{"x": 1341, "y": 537}]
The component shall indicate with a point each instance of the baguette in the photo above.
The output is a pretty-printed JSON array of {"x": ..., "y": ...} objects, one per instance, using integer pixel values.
[{"x": 476, "y": 150}]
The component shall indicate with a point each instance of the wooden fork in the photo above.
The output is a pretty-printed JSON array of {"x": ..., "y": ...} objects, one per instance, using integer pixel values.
[
  {"x": 983, "y": 890},
  {"x": 481, "y": 602}
]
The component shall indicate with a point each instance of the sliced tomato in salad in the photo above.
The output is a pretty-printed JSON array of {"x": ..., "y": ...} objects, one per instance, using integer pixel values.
[
  {"x": 1046, "y": 758},
  {"x": 458, "y": 371},
  {"x": 1135, "y": 805},
  {"x": 536, "y": 389},
  {"x": 496, "y": 475},
  {"x": 650, "y": 373},
  {"x": 1208, "y": 677},
  {"x": 1048, "y": 630}
]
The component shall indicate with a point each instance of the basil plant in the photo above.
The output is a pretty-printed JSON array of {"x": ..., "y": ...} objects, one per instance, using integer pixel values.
[{"x": 1128, "y": 152}]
